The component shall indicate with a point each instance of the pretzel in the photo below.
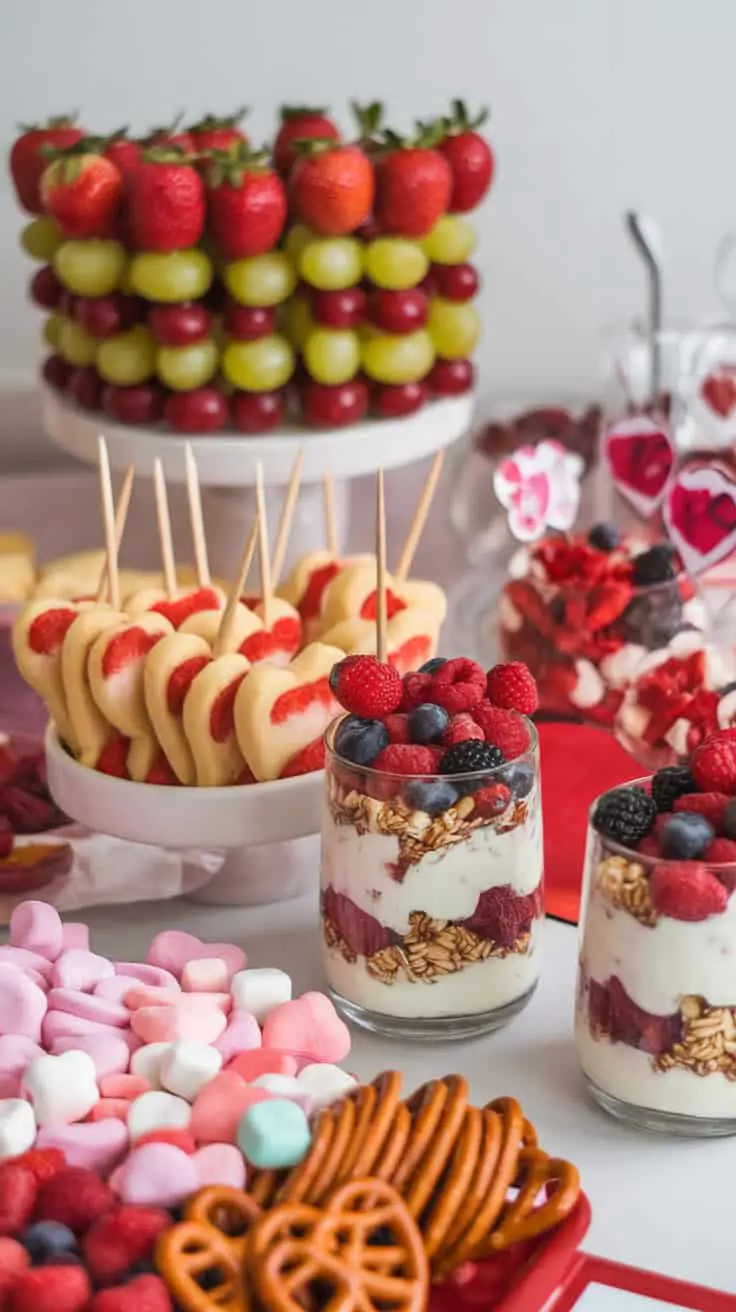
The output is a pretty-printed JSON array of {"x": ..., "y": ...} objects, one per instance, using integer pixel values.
[
  {"x": 362, "y": 1252},
  {"x": 454, "y": 1247},
  {"x": 521, "y": 1219},
  {"x": 428, "y": 1172},
  {"x": 394, "y": 1147},
  {"x": 364, "y": 1099},
  {"x": 387, "y": 1090},
  {"x": 300, "y": 1180},
  {"x": 426, "y": 1107},
  {"x": 453, "y": 1188},
  {"x": 344, "y": 1134},
  {"x": 512, "y": 1131},
  {"x": 201, "y": 1260}
]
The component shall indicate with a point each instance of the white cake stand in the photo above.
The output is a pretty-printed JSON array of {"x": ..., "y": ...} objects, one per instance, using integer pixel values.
[{"x": 268, "y": 831}]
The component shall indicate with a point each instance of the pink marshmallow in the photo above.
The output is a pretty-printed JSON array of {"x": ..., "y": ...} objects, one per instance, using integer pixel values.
[
  {"x": 147, "y": 995},
  {"x": 218, "y": 1108},
  {"x": 115, "y": 987},
  {"x": 117, "y": 1107},
  {"x": 188, "y": 1019},
  {"x": 78, "y": 969},
  {"x": 61, "y": 1024},
  {"x": 262, "y": 1061},
  {"x": 173, "y": 950},
  {"x": 243, "y": 1033},
  {"x": 147, "y": 974},
  {"x": 23, "y": 1004},
  {"x": 220, "y": 1163},
  {"x": 36, "y": 926},
  {"x": 96, "y": 1145},
  {"x": 123, "y": 1086},
  {"x": 25, "y": 960},
  {"x": 88, "y": 1007},
  {"x": 157, "y": 1175},
  {"x": 17, "y": 1052},
  {"x": 75, "y": 935},
  {"x": 108, "y": 1049},
  {"x": 205, "y": 975}
]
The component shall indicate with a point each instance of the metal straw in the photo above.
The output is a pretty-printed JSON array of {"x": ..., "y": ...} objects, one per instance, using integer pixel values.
[{"x": 646, "y": 237}]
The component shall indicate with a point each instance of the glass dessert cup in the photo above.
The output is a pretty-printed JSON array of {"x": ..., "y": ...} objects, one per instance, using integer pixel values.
[
  {"x": 655, "y": 1012},
  {"x": 430, "y": 917}
]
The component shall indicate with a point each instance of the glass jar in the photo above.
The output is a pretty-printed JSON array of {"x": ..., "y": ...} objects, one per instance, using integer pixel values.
[
  {"x": 432, "y": 895},
  {"x": 655, "y": 1016}
]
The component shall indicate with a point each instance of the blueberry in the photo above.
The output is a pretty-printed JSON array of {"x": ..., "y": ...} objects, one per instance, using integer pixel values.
[
  {"x": 729, "y": 687},
  {"x": 429, "y": 667},
  {"x": 334, "y": 676},
  {"x": 604, "y": 537},
  {"x": 657, "y": 565},
  {"x": 686, "y": 836},
  {"x": 61, "y": 1259},
  {"x": 729, "y": 819},
  {"x": 427, "y": 723},
  {"x": 431, "y": 797},
  {"x": 359, "y": 740},
  {"x": 47, "y": 1239},
  {"x": 519, "y": 778}
]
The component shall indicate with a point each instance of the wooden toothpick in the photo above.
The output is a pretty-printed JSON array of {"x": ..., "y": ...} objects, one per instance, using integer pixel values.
[
  {"x": 263, "y": 549},
  {"x": 108, "y": 519},
  {"x": 286, "y": 520},
  {"x": 164, "y": 529},
  {"x": 328, "y": 496},
  {"x": 196, "y": 520},
  {"x": 381, "y": 615},
  {"x": 224, "y": 632},
  {"x": 416, "y": 528},
  {"x": 121, "y": 515}
]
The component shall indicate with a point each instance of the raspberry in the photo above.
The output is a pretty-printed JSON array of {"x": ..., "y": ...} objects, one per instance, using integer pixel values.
[
  {"x": 367, "y": 687},
  {"x": 416, "y": 689},
  {"x": 18, "y": 1190},
  {"x": 686, "y": 890},
  {"x": 13, "y": 1259},
  {"x": 406, "y": 758},
  {"x": 397, "y": 725},
  {"x": 492, "y": 801},
  {"x": 43, "y": 1163},
  {"x": 512, "y": 686},
  {"x": 74, "y": 1196},
  {"x": 460, "y": 729},
  {"x": 501, "y": 915},
  {"x": 458, "y": 685},
  {"x": 469, "y": 756},
  {"x": 649, "y": 846},
  {"x": 52, "y": 1289},
  {"x": 122, "y": 1237},
  {"x": 710, "y": 805},
  {"x": 146, "y": 1293},
  {"x": 502, "y": 728},
  {"x": 714, "y": 765},
  {"x": 669, "y": 784},
  {"x": 625, "y": 814},
  {"x": 722, "y": 851}
]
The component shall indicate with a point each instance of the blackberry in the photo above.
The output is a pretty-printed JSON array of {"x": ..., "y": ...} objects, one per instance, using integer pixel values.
[
  {"x": 669, "y": 784},
  {"x": 626, "y": 815},
  {"x": 470, "y": 755},
  {"x": 657, "y": 565},
  {"x": 604, "y": 537}
]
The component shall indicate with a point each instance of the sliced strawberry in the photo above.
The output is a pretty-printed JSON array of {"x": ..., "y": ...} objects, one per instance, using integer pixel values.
[
  {"x": 161, "y": 773},
  {"x": 113, "y": 757},
  {"x": 663, "y": 720},
  {"x": 605, "y": 603},
  {"x": 284, "y": 636}
]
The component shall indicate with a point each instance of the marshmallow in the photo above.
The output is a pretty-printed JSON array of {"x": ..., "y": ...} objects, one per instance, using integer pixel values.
[
  {"x": 243, "y": 1033},
  {"x": 22, "y": 1004},
  {"x": 148, "y": 971},
  {"x": 146, "y": 1062},
  {"x": 87, "y": 1006},
  {"x": 107, "y": 1049},
  {"x": 198, "y": 1019},
  {"x": 36, "y": 926},
  {"x": 509, "y": 618},
  {"x": 218, "y": 1110},
  {"x": 75, "y": 935},
  {"x": 308, "y": 1025},
  {"x": 325, "y": 1083},
  {"x": 17, "y": 1052},
  {"x": 259, "y": 990},
  {"x": 187, "y": 1067},
  {"x": 63, "y": 1088},
  {"x": 286, "y": 1086},
  {"x": 220, "y": 1163},
  {"x": 274, "y": 1135},
  {"x": 17, "y": 1127},
  {"x": 589, "y": 689},
  {"x": 157, "y": 1175},
  {"x": 79, "y": 969},
  {"x": 205, "y": 975},
  {"x": 157, "y": 1110},
  {"x": 25, "y": 960},
  {"x": 96, "y": 1145}
]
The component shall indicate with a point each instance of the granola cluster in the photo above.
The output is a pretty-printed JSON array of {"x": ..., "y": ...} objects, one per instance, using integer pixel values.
[
  {"x": 708, "y": 1040},
  {"x": 625, "y": 886}
]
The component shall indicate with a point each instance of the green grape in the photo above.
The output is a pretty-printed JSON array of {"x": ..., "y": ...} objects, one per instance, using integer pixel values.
[
  {"x": 296, "y": 239},
  {"x": 261, "y": 280},
  {"x": 52, "y": 328},
  {"x": 41, "y": 239},
  {"x": 177, "y": 276},
  {"x": 183, "y": 368},
  {"x": 127, "y": 358},
  {"x": 260, "y": 366},
  {"x": 298, "y": 321},
  {"x": 90, "y": 268},
  {"x": 76, "y": 345},
  {"x": 395, "y": 263},
  {"x": 331, "y": 263},
  {"x": 332, "y": 355},
  {"x": 397, "y": 359},
  {"x": 454, "y": 327},
  {"x": 451, "y": 241}
]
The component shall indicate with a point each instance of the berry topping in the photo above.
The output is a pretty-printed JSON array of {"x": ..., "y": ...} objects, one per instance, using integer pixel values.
[
  {"x": 512, "y": 687},
  {"x": 492, "y": 801},
  {"x": 359, "y": 740},
  {"x": 713, "y": 764},
  {"x": 519, "y": 777},
  {"x": 460, "y": 728},
  {"x": 48, "y": 1239},
  {"x": 427, "y": 723},
  {"x": 669, "y": 784},
  {"x": 625, "y": 814},
  {"x": 75, "y": 1197},
  {"x": 42, "y": 1162},
  {"x": 604, "y": 537},
  {"x": 502, "y": 728},
  {"x": 416, "y": 689},
  {"x": 51, "y": 1289},
  {"x": 729, "y": 819},
  {"x": 434, "y": 797},
  {"x": 656, "y": 565},
  {"x": 405, "y": 759},
  {"x": 367, "y": 687},
  {"x": 146, "y": 1293},
  {"x": 458, "y": 685},
  {"x": 710, "y": 805},
  {"x": 121, "y": 1238},
  {"x": 685, "y": 836},
  {"x": 470, "y": 757},
  {"x": 686, "y": 891},
  {"x": 18, "y": 1191},
  {"x": 431, "y": 667},
  {"x": 397, "y": 725},
  {"x": 722, "y": 851}
]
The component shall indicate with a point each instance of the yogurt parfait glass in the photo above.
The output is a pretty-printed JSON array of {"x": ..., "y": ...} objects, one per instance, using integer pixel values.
[
  {"x": 655, "y": 1016},
  {"x": 431, "y": 895}
]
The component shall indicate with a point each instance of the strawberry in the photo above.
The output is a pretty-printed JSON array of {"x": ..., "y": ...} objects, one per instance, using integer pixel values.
[
  {"x": 74, "y": 1196},
  {"x": 686, "y": 890},
  {"x": 369, "y": 119},
  {"x": 124, "y": 152},
  {"x": 212, "y": 133},
  {"x": 82, "y": 189},
  {"x": 18, "y": 1190},
  {"x": 28, "y": 162},
  {"x": 469, "y": 156},
  {"x": 331, "y": 187},
  {"x": 121, "y": 1238},
  {"x": 247, "y": 203},
  {"x": 300, "y": 124},
  {"x": 413, "y": 185},
  {"x": 146, "y": 1293},
  {"x": 166, "y": 202},
  {"x": 169, "y": 138},
  {"x": 51, "y": 1289}
]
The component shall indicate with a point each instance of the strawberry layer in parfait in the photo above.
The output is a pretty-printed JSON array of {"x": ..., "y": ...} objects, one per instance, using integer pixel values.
[
  {"x": 584, "y": 610},
  {"x": 432, "y": 847},
  {"x": 656, "y": 999}
]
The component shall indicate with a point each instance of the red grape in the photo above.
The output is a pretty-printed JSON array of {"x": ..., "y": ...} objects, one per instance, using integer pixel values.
[
  {"x": 258, "y": 412},
  {"x": 429, "y": 285},
  {"x": 248, "y": 322},
  {"x": 134, "y": 405},
  {"x": 456, "y": 282},
  {"x": 451, "y": 377},
  {"x": 104, "y": 316},
  {"x": 202, "y": 411},
  {"x": 67, "y": 301},
  {"x": 393, "y": 402},
  {"x": 46, "y": 290},
  {"x": 179, "y": 325},
  {"x": 398, "y": 312},
  {"x": 331, "y": 407},
  {"x": 56, "y": 372},
  {"x": 85, "y": 387},
  {"x": 342, "y": 309}
]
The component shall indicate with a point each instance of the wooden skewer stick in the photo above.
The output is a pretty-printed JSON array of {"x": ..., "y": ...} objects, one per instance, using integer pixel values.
[
  {"x": 381, "y": 615},
  {"x": 224, "y": 632},
  {"x": 196, "y": 520},
  {"x": 121, "y": 515},
  {"x": 164, "y": 529},
  {"x": 416, "y": 528},
  {"x": 263, "y": 549},
  {"x": 286, "y": 520},
  {"x": 108, "y": 519},
  {"x": 328, "y": 495}
]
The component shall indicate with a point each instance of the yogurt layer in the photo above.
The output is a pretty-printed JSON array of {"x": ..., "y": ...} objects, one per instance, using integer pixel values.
[{"x": 630, "y": 1075}]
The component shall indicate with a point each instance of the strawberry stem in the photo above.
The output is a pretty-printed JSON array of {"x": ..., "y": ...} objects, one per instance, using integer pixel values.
[
  {"x": 211, "y": 122},
  {"x": 288, "y": 112}
]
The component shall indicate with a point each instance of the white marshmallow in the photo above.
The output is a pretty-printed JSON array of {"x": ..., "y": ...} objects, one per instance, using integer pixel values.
[
  {"x": 286, "y": 1086},
  {"x": 684, "y": 643},
  {"x": 157, "y": 1111},
  {"x": 146, "y": 1061},
  {"x": 187, "y": 1067},
  {"x": 17, "y": 1127},
  {"x": 633, "y": 719},
  {"x": 694, "y": 612},
  {"x": 619, "y": 667},
  {"x": 509, "y": 617},
  {"x": 590, "y": 688},
  {"x": 727, "y": 710},
  {"x": 676, "y": 736},
  {"x": 63, "y": 1088},
  {"x": 325, "y": 1083},
  {"x": 519, "y": 564},
  {"x": 259, "y": 991}
]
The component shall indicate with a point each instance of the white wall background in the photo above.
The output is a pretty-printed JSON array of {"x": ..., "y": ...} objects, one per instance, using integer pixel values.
[{"x": 597, "y": 106}]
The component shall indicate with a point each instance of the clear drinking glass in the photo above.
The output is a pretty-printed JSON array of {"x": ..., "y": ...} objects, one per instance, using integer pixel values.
[{"x": 432, "y": 895}]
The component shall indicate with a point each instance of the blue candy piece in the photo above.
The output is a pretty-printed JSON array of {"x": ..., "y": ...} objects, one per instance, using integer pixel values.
[
  {"x": 686, "y": 835},
  {"x": 274, "y": 1134},
  {"x": 359, "y": 741},
  {"x": 47, "y": 1239},
  {"x": 432, "y": 797},
  {"x": 427, "y": 723}
]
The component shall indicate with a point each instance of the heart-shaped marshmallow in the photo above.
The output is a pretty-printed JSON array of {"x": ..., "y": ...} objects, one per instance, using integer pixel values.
[
  {"x": 62, "y": 1089},
  {"x": 700, "y": 514},
  {"x": 242, "y": 1034},
  {"x": 259, "y": 990},
  {"x": 17, "y": 1127},
  {"x": 325, "y": 1083},
  {"x": 172, "y": 949},
  {"x": 22, "y": 1004},
  {"x": 640, "y": 457},
  {"x": 218, "y": 1109},
  {"x": 157, "y": 1175},
  {"x": 36, "y": 927},
  {"x": 309, "y": 1025},
  {"x": 17, "y": 1052},
  {"x": 220, "y": 1163},
  {"x": 279, "y": 712},
  {"x": 108, "y": 1050},
  {"x": 80, "y": 969},
  {"x": 96, "y": 1145}
]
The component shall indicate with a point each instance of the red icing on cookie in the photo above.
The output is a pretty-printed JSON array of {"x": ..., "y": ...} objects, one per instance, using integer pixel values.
[
  {"x": 301, "y": 698},
  {"x": 221, "y": 715},
  {"x": 180, "y": 681},
  {"x": 310, "y": 758},
  {"x": 47, "y": 631},
  {"x": 161, "y": 772},
  {"x": 309, "y": 606},
  {"x": 394, "y": 604},
  {"x": 411, "y": 654},
  {"x": 113, "y": 757},
  {"x": 179, "y": 610},
  {"x": 132, "y": 644},
  {"x": 285, "y": 635}
]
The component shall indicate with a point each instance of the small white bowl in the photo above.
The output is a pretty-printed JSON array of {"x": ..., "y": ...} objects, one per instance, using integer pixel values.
[{"x": 241, "y": 816}]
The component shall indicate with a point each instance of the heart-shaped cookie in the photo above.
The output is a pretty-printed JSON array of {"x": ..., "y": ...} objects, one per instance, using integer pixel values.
[
  {"x": 279, "y": 712},
  {"x": 411, "y": 637},
  {"x": 700, "y": 515},
  {"x": 640, "y": 456},
  {"x": 116, "y": 662},
  {"x": 209, "y": 724},
  {"x": 91, "y": 730},
  {"x": 168, "y": 673},
  {"x": 37, "y": 638}
]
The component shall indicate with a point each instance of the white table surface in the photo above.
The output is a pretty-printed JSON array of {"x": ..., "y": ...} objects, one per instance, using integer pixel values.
[{"x": 659, "y": 1203}]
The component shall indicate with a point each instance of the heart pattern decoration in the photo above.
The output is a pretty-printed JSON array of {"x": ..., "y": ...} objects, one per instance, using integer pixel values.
[
  {"x": 640, "y": 455},
  {"x": 700, "y": 515},
  {"x": 539, "y": 487}
]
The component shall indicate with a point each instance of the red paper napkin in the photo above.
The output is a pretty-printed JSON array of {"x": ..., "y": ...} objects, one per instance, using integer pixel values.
[{"x": 579, "y": 761}]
